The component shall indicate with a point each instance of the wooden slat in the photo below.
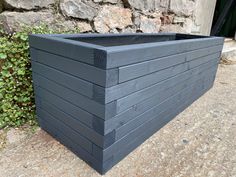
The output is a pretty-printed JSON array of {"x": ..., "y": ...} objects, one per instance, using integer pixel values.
[
  {"x": 143, "y": 68},
  {"x": 73, "y": 146},
  {"x": 81, "y": 101},
  {"x": 152, "y": 125},
  {"x": 126, "y": 102},
  {"x": 123, "y": 89},
  {"x": 157, "y": 109},
  {"x": 78, "y": 139},
  {"x": 81, "y": 86},
  {"x": 204, "y": 52},
  {"x": 125, "y": 55},
  {"x": 78, "y": 127},
  {"x": 105, "y": 78},
  {"x": 195, "y": 63},
  {"x": 124, "y": 117},
  {"x": 65, "y": 106},
  {"x": 67, "y": 48},
  {"x": 126, "y": 88}
]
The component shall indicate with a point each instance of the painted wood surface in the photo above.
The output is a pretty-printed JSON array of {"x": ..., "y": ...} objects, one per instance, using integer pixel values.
[
  {"x": 103, "y": 98},
  {"x": 81, "y": 70},
  {"x": 120, "y": 144},
  {"x": 136, "y": 70}
]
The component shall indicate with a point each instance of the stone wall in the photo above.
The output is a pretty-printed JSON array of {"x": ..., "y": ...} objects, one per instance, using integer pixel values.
[{"x": 104, "y": 16}]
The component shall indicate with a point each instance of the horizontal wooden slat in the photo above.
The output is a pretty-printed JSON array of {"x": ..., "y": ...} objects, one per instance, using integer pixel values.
[
  {"x": 105, "y": 78},
  {"x": 78, "y": 127},
  {"x": 81, "y": 101},
  {"x": 73, "y": 146},
  {"x": 126, "y": 102},
  {"x": 157, "y": 109},
  {"x": 81, "y": 86},
  {"x": 108, "y": 35},
  {"x": 154, "y": 124},
  {"x": 151, "y": 127},
  {"x": 143, "y": 68},
  {"x": 195, "y": 63},
  {"x": 125, "y": 55},
  {"x": 126, "y": 88},
  {"x": 65, "y": 106},
  {"x": 67, "y": 48},
  {"x": 78, "y": 139},
  {"x": 124, "y": 117}
]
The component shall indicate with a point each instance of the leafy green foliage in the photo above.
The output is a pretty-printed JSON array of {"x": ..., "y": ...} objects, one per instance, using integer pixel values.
[{"x": 16, "y": 90}]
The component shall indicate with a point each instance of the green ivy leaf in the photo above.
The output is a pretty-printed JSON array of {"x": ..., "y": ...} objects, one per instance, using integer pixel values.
[
  {"x": 16, "y": 90},
  {"x": 3, "y": 56},
  {"x": 21, "y": 72},
  {"x": 24, "y": 37}
]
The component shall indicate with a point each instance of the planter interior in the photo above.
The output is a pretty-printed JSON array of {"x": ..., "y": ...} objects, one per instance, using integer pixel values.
[{"x": 108, "y": 41}]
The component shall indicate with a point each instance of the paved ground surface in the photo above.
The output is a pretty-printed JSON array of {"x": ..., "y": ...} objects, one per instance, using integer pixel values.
[{"x": 201, "y": 141}]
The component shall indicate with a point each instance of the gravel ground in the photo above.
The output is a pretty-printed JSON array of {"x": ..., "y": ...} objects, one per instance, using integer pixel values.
[{"x": 201, "y": 141}]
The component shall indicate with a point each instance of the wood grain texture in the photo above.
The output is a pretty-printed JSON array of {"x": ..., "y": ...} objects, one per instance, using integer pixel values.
[
  {"x": 78, "y": 85},
  {"x": 153, "y": 126},
  {"x": 66, "y": 48},
  {"x": 158, "y": 121},
  {"x": 166, "y": 105},
  {"x": 143, "y": 68},
  {"x": 126, "y": 88},
  {"x": 103, "y": 95},
  {"x": 121, "y": 56},
  {"x": 124, "y": 117},
  {"x": 132, "y": 99},
  {"x": 79, "y": 128},
  {"x": 105, "y": 78},
  {"x": 78, "y": 139},
  {"x": 74, "y": 147},
  {"x": 45, "y": 97},
  {"x": 74, "y": 98}
]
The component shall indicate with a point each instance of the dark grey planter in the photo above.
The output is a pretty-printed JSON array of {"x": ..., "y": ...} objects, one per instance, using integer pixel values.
[{"x": 103, "y": 95}]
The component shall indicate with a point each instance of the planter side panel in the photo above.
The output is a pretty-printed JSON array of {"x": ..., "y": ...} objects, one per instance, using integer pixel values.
[
  {"x": 139, "y": 108},
  {"x": 126, "y": 132},
  {"x": 136, "y": 70},
  {"x": 126, "y": 55},
  {"x": 154, "y": 125},
  {"x": 89, "y": 73},
  {"x": 126, "y": 102},
  {"x": 62, "y": 47}
]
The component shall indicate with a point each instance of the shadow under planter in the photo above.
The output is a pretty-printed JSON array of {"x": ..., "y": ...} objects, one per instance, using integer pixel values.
[{"x": 103, "y": 95}]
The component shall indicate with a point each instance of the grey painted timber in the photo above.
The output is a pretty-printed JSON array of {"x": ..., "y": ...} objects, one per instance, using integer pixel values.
[
  {"x": 136, "y": 70},
  {"x": 106, "y": 154},
  {"x": 137, "y": 109},
  {"x": 128, "y": 101},
  {"x": 102, "y": 95}
]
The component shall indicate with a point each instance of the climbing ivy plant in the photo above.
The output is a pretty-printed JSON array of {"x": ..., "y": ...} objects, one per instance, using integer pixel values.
[{"x": 16, "y": 91}]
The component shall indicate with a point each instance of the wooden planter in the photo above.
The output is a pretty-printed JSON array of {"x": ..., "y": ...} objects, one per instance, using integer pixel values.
[{"x": 103, "y": 95}]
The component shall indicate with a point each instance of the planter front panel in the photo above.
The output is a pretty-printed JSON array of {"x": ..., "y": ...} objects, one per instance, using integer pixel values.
[{"x": 103, "y": 95}]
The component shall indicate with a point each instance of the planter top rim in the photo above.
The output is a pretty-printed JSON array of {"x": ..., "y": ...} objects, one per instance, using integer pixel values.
[{"x": 68, "y": 38}]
